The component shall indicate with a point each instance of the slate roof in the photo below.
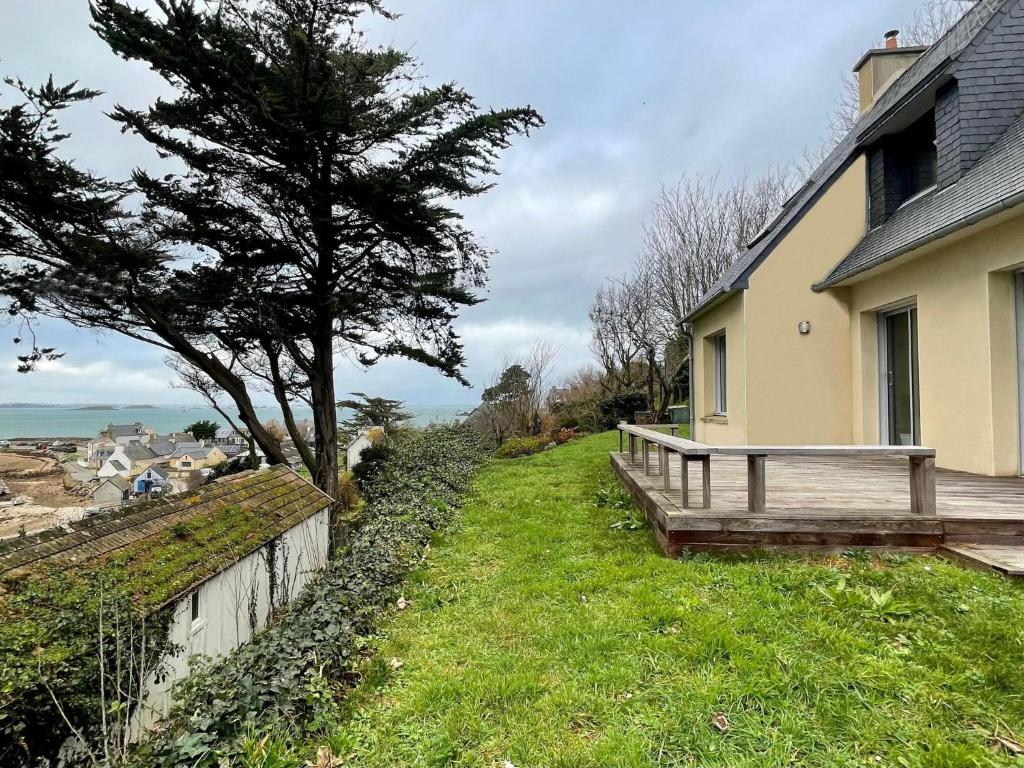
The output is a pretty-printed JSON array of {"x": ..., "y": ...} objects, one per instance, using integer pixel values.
[
  {"x": 158, "y": 469},
  {"x": 195, "y": 451},
  {"x": 231, "y": 450},
  {"x": 138, "y": 452},
  {"x": 265, "y": 504},
  {"x": 117, "y": 481},
  {"x": 118, "y": 465},
  {"x": 995, "y": 183},
  {"x": 922, "y": 72}
]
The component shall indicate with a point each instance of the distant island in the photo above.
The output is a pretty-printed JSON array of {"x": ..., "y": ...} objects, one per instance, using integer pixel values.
[
  {"x": 140, "y": 408},
  {"x": 95, "y": 408}
]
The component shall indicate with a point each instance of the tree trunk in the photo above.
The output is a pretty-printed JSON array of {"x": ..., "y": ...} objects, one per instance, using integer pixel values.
[{"x": 325, "y": 421}]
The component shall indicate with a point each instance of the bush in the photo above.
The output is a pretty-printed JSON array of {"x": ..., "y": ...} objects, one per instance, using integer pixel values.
[
  {"x": 286, "y": 683},
  {"x": 370, "y": 461},
  {"x": 348, "y": 490},
  {"x": 564, "y": 435},
  {"x": 521, "y": 446}
]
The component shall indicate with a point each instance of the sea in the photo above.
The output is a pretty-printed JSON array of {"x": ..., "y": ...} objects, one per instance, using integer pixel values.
[{"x": 48, "y": 421}]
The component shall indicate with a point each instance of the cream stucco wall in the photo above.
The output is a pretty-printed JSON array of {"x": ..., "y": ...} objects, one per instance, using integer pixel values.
[
  {"x": 967, "y": 353},
  {"x": 727, "y": 317},
  {"x": 786, "y": 387},
  {"x": 799, "y": 388},
  {"x": 823, "y": 387}
]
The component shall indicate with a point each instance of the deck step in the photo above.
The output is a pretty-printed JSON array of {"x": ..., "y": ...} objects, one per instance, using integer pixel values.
[{"x": 1005, "y": 559}]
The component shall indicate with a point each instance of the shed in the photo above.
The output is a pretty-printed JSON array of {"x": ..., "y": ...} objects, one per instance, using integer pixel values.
[
  {"x": 242, "y": 547},
  {"x": 113, "y": 490}
]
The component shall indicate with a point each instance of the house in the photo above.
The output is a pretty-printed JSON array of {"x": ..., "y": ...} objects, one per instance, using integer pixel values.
[
  {"x": 885, "y": 303},
  {"x": 98, "y": 451},
  {"x": 153, "y": 478},
  {"x": 114, "y": 468},
  {"x": 364, "y": 438},
  {"x": 112, "y": 491},
  {"x": 225, "y": 587},
  {"x": 233, "y": 450},
  {"x": 228, "y": 436},
  {"x": 127, "y": 460},
  {"x": 122, "y": 434},
  {"x": 188, "y": 458},
  {"x": 165, "y": 445}
]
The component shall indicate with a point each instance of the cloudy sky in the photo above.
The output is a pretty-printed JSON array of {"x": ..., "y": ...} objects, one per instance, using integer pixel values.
[{"x": 633, "y": 94}]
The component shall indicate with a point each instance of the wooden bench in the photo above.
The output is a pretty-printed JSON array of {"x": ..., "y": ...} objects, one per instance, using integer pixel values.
[{"x": 921, "y": 462}]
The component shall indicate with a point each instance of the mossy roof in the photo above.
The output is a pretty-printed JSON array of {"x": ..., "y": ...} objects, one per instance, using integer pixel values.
[{"x": 173, "y": 543}]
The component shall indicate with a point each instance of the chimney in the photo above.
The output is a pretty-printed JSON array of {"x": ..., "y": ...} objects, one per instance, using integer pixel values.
[{"x": 879, "y": 68}]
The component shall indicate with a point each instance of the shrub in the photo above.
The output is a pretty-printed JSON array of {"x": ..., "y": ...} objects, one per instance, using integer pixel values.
[
  {"x": 348, "y": 490},
  {"x": 370, "y": 461},
  {"x": 521, "y": 446},
  {"x": 564, "y": 435}
]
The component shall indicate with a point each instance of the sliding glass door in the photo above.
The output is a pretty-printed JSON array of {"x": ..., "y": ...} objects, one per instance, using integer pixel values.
[{"x": 899, "y": 388}]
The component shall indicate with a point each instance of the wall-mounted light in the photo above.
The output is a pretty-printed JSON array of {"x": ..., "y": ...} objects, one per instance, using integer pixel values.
[{"x": 805, "y": 327}]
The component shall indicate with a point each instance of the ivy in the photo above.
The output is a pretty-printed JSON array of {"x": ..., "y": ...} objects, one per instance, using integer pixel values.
[{"x": 287, "y": 681}]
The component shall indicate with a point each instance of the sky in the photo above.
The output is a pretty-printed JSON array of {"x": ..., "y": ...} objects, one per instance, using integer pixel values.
[{"x": 634, "y": 96}]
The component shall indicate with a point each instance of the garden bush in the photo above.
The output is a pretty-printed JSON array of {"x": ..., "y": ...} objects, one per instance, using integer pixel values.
[
  {"x": 522, "y": 446},
  {"x": 288, "y": 680}
]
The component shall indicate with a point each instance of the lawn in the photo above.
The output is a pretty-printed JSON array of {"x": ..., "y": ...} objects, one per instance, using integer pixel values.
[{"x": 544, "y": 632}]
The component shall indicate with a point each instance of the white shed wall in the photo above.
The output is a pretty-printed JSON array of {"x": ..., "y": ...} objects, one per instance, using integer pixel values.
[{"x": 235, "y": 604}]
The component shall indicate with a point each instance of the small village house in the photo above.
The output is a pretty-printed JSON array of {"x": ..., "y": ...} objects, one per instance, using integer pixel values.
[
  {"x": 122, "y": 434},
  {"x": 363, "y": 439},
  {"x": 127, "y": 460},
  {"x": 190, "y": 458},
  {"x": 228, "y": 436},
  {"x": 152, "y": 478},
  {"x": 885, "y": 303}
]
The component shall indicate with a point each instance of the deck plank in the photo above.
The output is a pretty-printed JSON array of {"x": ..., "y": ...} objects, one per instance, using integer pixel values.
[{"x": 827, "y": 500}]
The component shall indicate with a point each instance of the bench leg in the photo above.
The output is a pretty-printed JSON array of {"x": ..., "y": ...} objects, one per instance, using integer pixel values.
[
  {"x": 755, "y": 485},
  {"x": 674, "y": 431},
  {"x": 632, "y": 449},
  {"x": 661, "y": 460},
  {"x": 647, "y": 456},
  {"x": 666, "y": 465},
  {"x": 706, "y": 461},
  {"x": 922, "y": 485},
  {"x": 620, "y": 441},
  {"x": 684, "y": 460}
]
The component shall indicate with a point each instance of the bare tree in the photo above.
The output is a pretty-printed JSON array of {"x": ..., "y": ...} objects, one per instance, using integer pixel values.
[
  {"x": 613, "y": 338},
  {"x": 698, "y": 228},
  {"x": 515, "y": 397},
  {"x": 933, "y": 19}
]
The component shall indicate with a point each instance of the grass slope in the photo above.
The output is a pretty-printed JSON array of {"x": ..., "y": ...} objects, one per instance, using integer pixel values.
[{"x": 542, "y": 636}]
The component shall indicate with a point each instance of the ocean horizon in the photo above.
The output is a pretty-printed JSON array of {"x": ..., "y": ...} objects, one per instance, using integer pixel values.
[{"x": 40, "y": 420}]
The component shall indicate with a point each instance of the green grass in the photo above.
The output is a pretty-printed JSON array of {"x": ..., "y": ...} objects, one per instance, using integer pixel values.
[{"x": 542, "y": 633}]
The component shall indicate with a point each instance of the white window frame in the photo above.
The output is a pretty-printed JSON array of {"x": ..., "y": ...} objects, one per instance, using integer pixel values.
[
  {"x": 883, "y": 366},
  {"x": 195, "y": 613},
  {"x": 721, "y": 355}
]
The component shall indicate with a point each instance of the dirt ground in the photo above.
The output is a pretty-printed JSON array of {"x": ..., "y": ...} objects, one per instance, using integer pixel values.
[{"x": 48, "y": 503}]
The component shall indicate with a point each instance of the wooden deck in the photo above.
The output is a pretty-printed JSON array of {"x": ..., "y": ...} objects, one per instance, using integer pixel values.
[{"x": 825, "y": 503}]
